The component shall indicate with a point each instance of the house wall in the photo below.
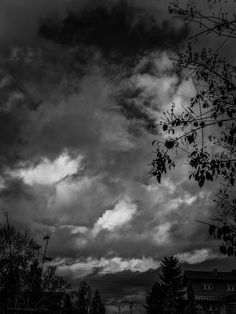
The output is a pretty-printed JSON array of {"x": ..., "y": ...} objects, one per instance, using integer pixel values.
[
  {"x": 219, "y": 288},
  {"x": 228, "y": 309}
]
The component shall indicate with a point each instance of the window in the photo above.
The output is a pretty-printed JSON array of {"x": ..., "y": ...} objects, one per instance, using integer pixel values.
[
  {"x": 230, "y": 287},
  {"x": 212, "y": 308},
  {"x": 207, "y": 286}
]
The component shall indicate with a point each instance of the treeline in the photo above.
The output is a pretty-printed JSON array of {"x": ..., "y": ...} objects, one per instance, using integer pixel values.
[
  {"x": 30, "y": 283},
  {"x": 169, "y": 295}
]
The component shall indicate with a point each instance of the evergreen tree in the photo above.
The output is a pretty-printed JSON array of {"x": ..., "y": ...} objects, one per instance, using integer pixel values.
[
  {"x": 170, "y": 302},
  {"x": 81, "y": 298},
  {"x": 154, "y": 299},
  {"x": 97, "y": 306},
  {"x": 172, "y": 285}
]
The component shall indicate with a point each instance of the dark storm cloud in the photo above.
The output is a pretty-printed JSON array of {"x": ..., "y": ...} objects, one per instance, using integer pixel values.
[
  {"x": 42, "y": 70},
  {"x": 19, "y": 20},
  {"x": 15, "y": 107},
  {"x": 85, "y": 105},
  {"x": 15, "y": 190},
  {"x": 119, "y": 29},
  {"x": 121, "y": 287}
]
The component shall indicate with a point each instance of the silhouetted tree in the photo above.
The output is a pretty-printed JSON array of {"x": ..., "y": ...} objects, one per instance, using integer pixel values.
[
  {"x": 170, "y": 302},
  {"x": 154, "y": 300},
  {"x": 81, "y": 299},
  {"x": 25, "y": 280},
  {"x": 171, "y": 284},
  {"x": 205, "y": 128},
  {"x": 166, "y": 295},
  {"x": 17, "y": 256},
  {"x": 97, "y": 306}
]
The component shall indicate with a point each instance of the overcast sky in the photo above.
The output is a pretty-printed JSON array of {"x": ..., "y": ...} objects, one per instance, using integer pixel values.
[{"x": 76, "y": 148}]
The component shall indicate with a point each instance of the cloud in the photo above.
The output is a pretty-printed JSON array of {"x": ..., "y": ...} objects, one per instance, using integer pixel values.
[
  {"x": 118, "y": 28},
  {"x": 19, "y": 20},
  {"x": 75, "y": 229},
  {"x": 197, "y": 256},
  {"x": 161, "y": 234},
  {"x": 78, "y": 269},
  {"x": 116, "y": 218},
  {"x": 50, "y": 172},
  {"x": 77, "y": 163}
]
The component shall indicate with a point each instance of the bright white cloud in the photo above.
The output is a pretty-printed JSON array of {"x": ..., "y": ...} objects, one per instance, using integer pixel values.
[
  {"x": 118, "y": 264},
  {"x": 75, "y": 229},
  {"x": 113, "y": 265},
  {"x": 197, "y": 256},
  {"x": 50, "y": 172},
  {"x": 113, "y": 219}
]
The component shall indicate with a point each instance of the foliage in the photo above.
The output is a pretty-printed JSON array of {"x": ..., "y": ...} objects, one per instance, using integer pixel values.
[
  {"x": 97, "y": 306},
  {"x": 25, "y": 280},
  {"x": 154, "y": 299},
  {"x": 81, "y": 298},
  {"x": 205, "y": 129},
  {"x": 172, "y": 284},
  {"x": 84, "y": 301},
  {"x": 28, "y": 281},
  {"x": 166, "y": 295},
  {"x": 171, "y": 275}
]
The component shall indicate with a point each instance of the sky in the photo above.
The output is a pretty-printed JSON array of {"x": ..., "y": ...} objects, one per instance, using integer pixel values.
[{"x": 76, "y": 145}]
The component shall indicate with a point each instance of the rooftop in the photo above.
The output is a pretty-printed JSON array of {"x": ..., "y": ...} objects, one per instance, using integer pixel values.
[{"x": 211, "y": 275}]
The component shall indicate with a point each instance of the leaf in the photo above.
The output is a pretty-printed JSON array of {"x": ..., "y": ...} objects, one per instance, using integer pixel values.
[
  {"x": 230, "y": 251},
  {"x": 190, "y": 138},
  {"x": 219, "y": 233},
  {"x": 223, "y": 249},
  {"x": 226, "y": 229},
  {"x": 201, "y": 181},
  {"x": 165, "y": 127},
  {"x": 169, "y": 144},
  {"x": 230, "y": 114}
]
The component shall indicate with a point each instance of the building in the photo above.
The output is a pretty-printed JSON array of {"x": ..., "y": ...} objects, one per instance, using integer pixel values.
[{"x": 214, "y": 292}]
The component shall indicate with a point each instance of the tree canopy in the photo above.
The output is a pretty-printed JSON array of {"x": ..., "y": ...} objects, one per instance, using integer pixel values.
[
  {"x": 205, "y": 128},
  {"x": 166, "y": 294},
  {"x": 26, "y": 278}
]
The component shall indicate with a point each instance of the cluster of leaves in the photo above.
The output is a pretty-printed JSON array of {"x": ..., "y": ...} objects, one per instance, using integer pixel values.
[
  {"x": 193, "y": 130},
  {"x": 227, "y": 234},
  {"x": 223, "y": 226},
  {"x": 205, "y": 128}
]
